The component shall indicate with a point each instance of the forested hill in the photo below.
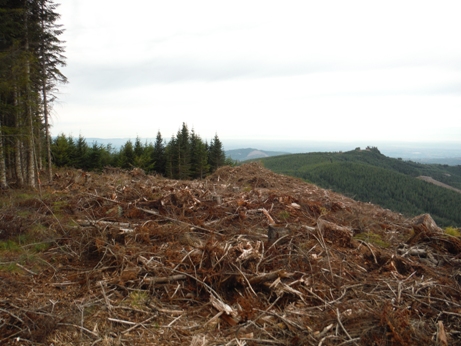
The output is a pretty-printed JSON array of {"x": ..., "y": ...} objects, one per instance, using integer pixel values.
[{"x": 369, "y": 176}]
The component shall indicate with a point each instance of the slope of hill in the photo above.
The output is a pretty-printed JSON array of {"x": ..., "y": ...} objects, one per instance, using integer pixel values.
[
  {"x": 251, "y": 153},
  {"x": 244, "y": 257},
  {"x": 369, "y": 176}
]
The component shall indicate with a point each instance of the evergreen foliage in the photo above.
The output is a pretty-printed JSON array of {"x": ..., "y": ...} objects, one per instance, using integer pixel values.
[
  {"x": 369, "y": 176},
  {"x": 30, "y": 57},
  {"x": 185, "y": 156}
]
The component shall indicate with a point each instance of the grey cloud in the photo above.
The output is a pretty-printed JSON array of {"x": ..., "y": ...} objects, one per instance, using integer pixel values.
[
  {"x": 165, "y": 71},
  {"x": 172, "y": 71}
]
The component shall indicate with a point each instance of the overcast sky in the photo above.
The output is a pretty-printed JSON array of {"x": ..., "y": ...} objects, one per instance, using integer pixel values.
[{"x": 300, "y": 70}]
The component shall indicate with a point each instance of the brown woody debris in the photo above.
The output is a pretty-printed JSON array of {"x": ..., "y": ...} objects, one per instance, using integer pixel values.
[{"x": 244, "y": 257}]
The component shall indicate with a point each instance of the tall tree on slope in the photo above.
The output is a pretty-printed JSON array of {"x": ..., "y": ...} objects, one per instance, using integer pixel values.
[
  {"x": 50, "y": 58},
  {"x": 30, "y": 57}
]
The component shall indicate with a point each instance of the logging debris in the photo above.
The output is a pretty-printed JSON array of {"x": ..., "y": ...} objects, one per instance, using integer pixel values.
[{"x": 243, "y": 257}]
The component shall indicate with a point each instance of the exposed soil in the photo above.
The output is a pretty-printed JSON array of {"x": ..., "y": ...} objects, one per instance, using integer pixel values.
[
  {"x": 438, "y": 183},
  {"x": 244, "y": 257}
]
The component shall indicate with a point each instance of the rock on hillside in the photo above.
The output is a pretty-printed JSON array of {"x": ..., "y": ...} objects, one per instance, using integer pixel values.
[{"x": 244, "y": 257}]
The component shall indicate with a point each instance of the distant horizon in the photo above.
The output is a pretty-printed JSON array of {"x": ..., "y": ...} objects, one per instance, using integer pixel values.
[{"x": 404, "y": 149}]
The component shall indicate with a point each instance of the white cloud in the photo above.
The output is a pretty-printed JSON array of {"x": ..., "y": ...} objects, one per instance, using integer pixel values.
[{"x": 330, "y": 70}]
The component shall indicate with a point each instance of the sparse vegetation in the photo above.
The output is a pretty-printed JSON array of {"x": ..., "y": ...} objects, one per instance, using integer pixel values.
[
  {"x": 372, "y": 238},
  {"x": 284, "y": 215},
  {"x": 453, "y": 232}
]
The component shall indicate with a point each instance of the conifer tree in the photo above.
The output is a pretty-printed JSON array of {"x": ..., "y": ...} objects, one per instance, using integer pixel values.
[
  {"x": 127, "y": 156},
  {"x": 216, "y": 154},
  {"x": 170, "y": 158},
  {"x": 183, "y": 152},
  {"x": 50, "y": 58},
  {"x": 199, "y": 157},
  {"x": 158, "y": 155},
  {"x": 30, "y": 57}
]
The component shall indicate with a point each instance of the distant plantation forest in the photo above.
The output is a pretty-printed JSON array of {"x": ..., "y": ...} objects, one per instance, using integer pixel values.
[
  {"x": 369, "y": 176},
  {"x": 185, "y": 156}
]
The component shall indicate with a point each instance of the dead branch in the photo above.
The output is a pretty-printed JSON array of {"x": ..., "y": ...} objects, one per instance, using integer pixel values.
[
  {"x": 176, "y": 220},
  {"x": 269, "y": 217},
  {"x": 165, "y": 311},
  {"x": 257, "y": 280},
  {"x": 79, "y": 327},
  {"x": 369, "y": 248},
  {"x": 137, "y": 325},
  {"x": 166, "y": 279},
  {"x": 338, "y": 317},
  {"x": 27, "y": 270},
  {"x": 121, "y": 321}
]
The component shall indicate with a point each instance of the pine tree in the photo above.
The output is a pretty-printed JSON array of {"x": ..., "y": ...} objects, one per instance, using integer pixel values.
[
  {"x": 183, "y": 152},
  {"x": 80, "y": 158},
  {"x": 216, "y": 154},
  {"x": 30, "y": 57},
  {"x": 171, "y": 158},
  {"x": 158, "y": 155},
  {"x": 50, "y": 58},
  {"x": 127, "y": 156},
  {"x": 199, "y": 157},
  {"x": 63, "y": 151}
]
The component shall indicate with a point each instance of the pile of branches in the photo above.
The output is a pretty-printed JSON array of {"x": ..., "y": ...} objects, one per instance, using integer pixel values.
[{"x": 245, "y": 257}]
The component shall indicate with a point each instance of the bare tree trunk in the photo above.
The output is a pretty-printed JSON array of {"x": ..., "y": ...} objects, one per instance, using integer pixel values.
[
  {"x": 18, "y": 145},
  {"x": 39, "y": 150},
  {"x": 31, "y": 142},
  {"x": 45, "y": 108},
  {"x": 47, "y": 131},
  {"x": 3, "y": 182},
  {"x": 31, "y": 152}
]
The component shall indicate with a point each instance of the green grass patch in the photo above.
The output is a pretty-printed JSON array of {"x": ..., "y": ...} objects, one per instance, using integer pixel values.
[
  {"x": 40, "y": 247},
  {"x": 372, "y": 238},
  {"x": 9, "y": 245},
  {"x": 453, "y": 232},
  {"x": 284, "y": 215},
  {"x": 138, "y": 298},
  {"x": 9, "y": 267}
]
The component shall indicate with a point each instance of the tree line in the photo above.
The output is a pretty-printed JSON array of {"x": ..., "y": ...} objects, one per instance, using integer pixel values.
[
  {"x": 31, "y": 56},
  {"x": 184, "y": 156}
]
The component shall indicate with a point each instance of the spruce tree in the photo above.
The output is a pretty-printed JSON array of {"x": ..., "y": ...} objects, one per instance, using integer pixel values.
[
  {"x": 50, "y": 59},
  {"x": 183, "y": 151},
  {"x": 171, "y": 158},
  {"x": 199, "y": 157},
  {"x": 30, "y": 57},
  {"x": 158, "y": 155},
  {"x": 127, "y": 156},
  {"x": 216, "y": 154}
]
